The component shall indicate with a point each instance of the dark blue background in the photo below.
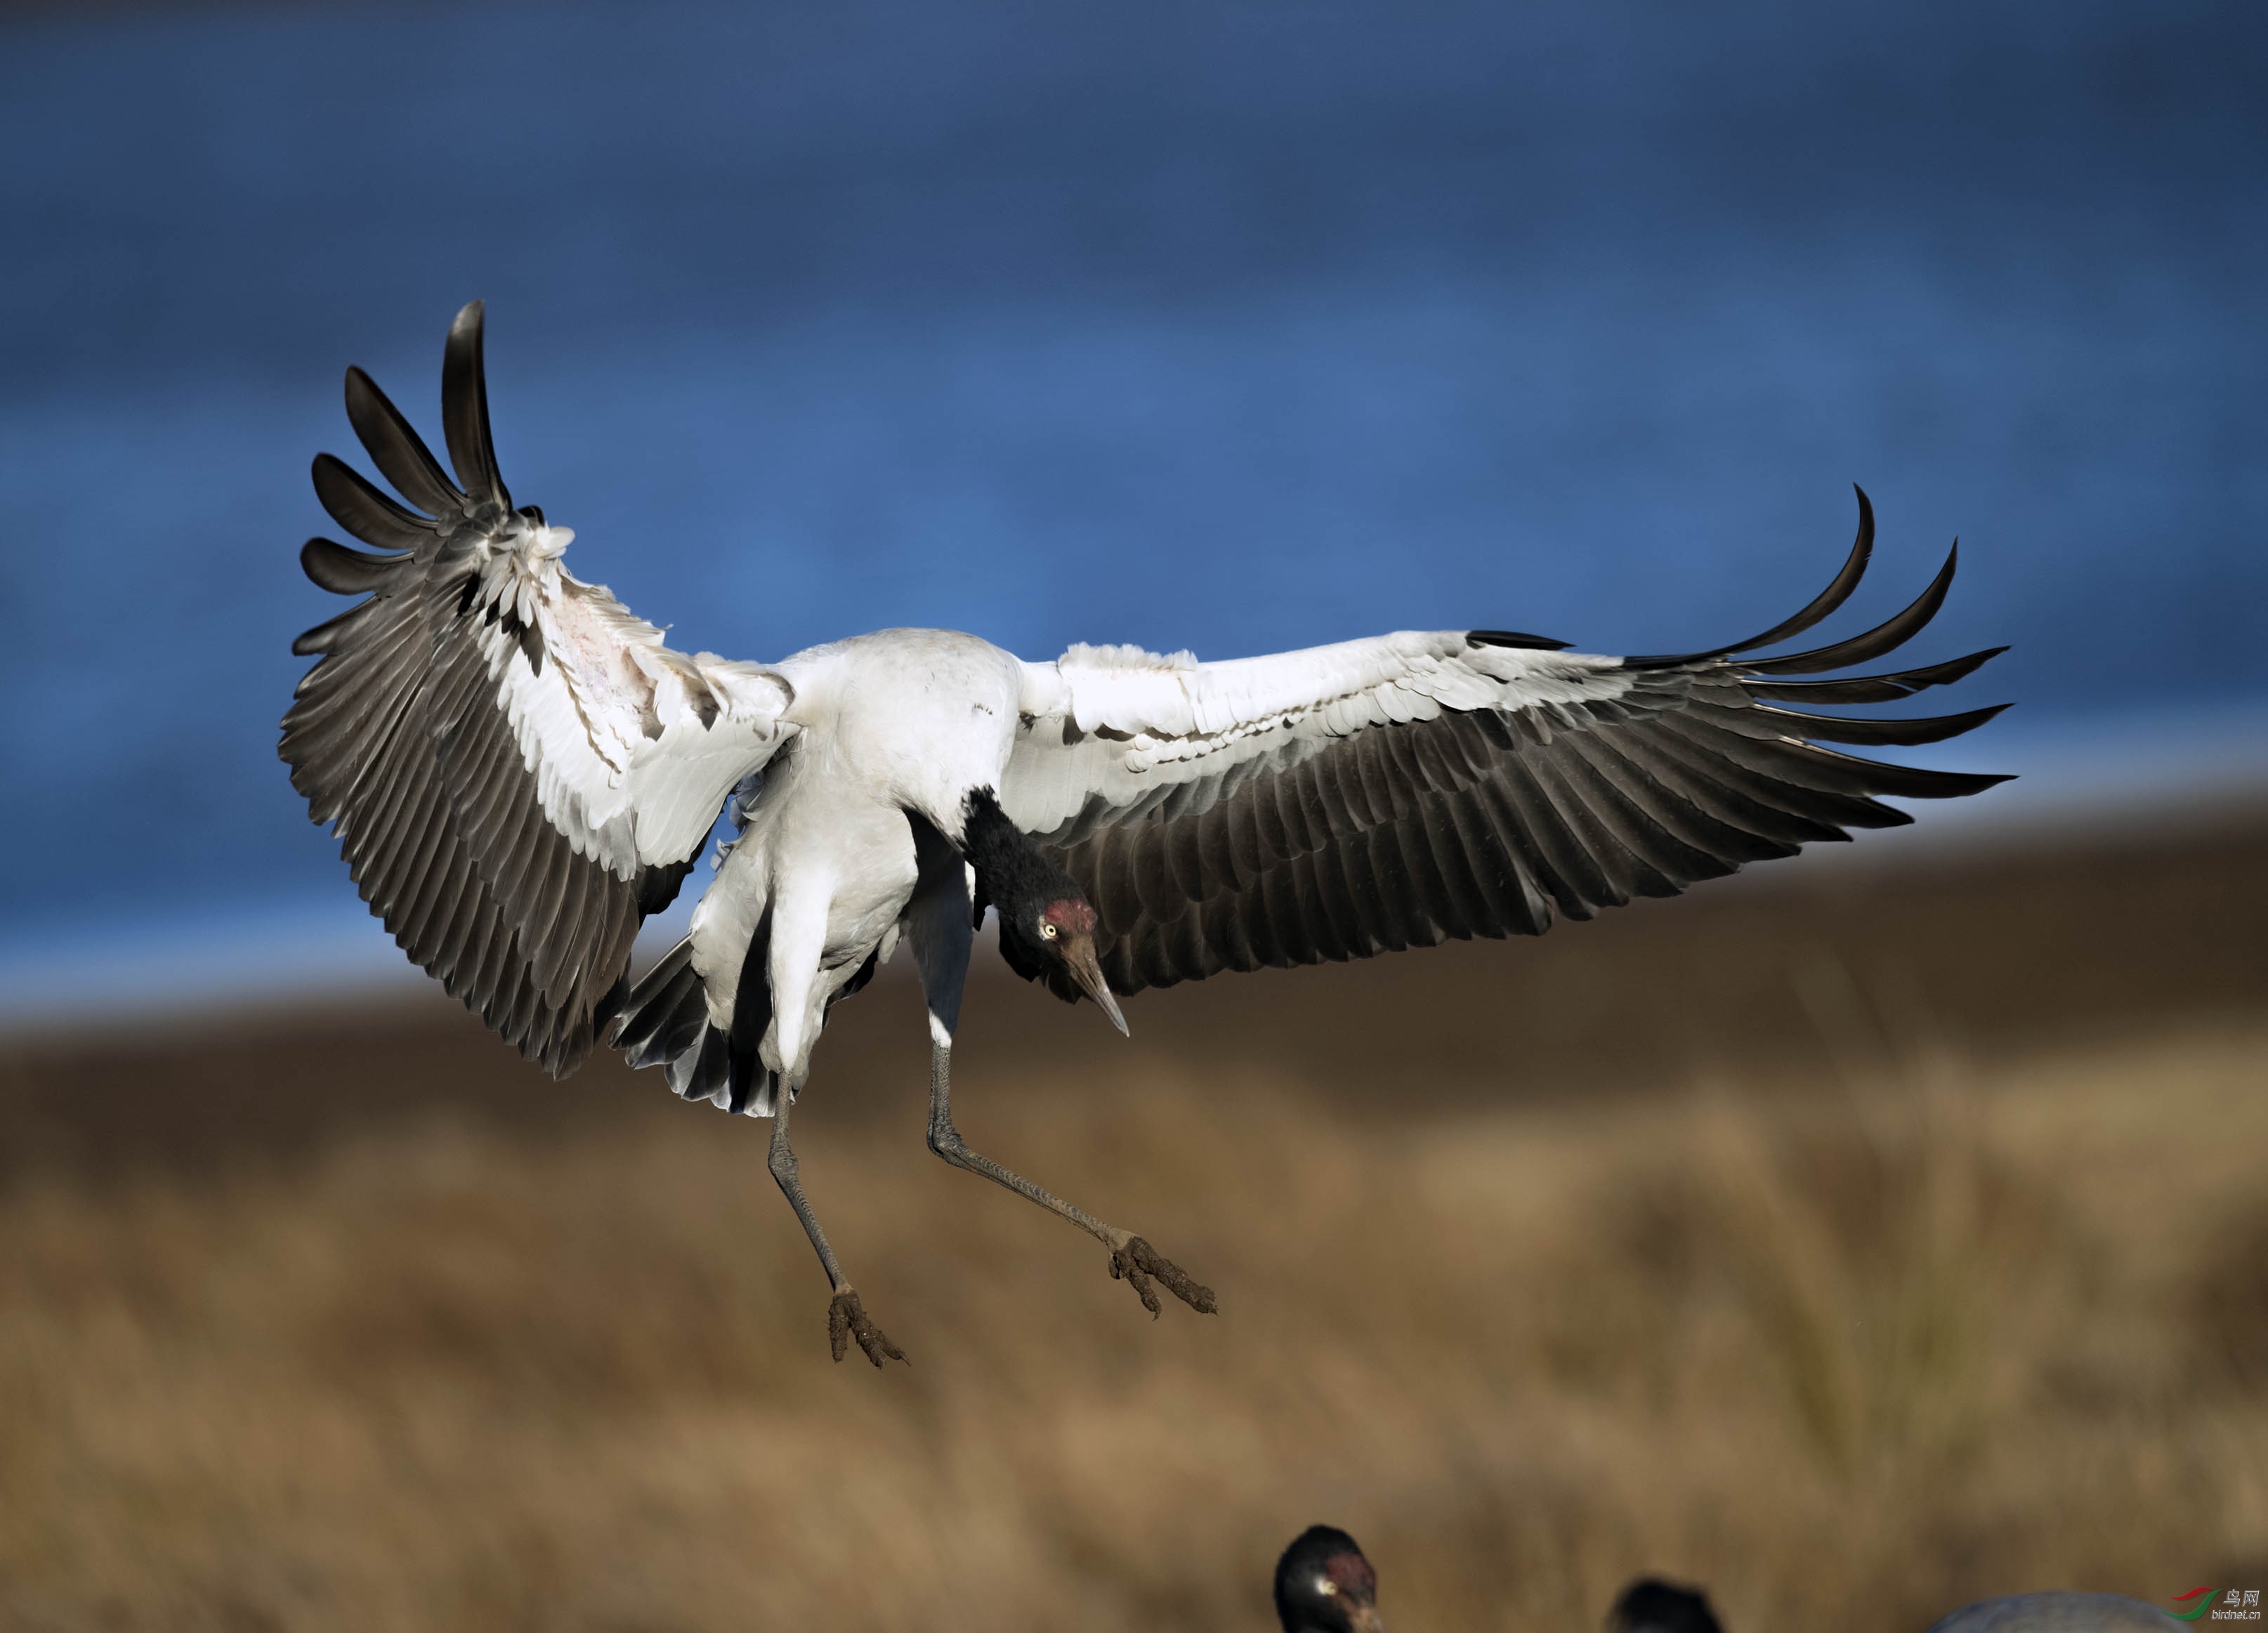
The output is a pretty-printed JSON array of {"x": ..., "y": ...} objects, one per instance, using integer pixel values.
[{"x": 1235, "y": 327}]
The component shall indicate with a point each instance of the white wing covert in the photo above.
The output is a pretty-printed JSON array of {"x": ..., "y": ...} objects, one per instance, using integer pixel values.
[
  {"x": 1412, "y": 789},
  {"x": 518, "y": 768}
]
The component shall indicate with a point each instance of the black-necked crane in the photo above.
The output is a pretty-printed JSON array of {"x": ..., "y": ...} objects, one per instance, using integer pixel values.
[
  {"x": 519, "y": 771},
  {"x": 1324, "y": 1585}
]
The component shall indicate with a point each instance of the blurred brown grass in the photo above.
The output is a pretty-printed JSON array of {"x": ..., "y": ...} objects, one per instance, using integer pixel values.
[{"x": 1900, "y": 1306}]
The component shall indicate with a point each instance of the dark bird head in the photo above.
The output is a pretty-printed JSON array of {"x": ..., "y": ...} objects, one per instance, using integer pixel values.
[
  {"x": 1652, "y": 1605},
  {"x": 1324, "y": 1585},
  {"x": 1047, "y": 924}
]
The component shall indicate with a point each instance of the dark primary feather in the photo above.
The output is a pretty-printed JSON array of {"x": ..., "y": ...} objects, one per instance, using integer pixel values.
[
  {"x": 1491, "y": 823},
  {"x": 343, "y": 571},
  {"x": 1886, "y": 636},
  {"x": 362, "y": 511},
  {"x": 1827, "y": 601},
  {"x": 1876, "y": 688},
  {"x": 399, "y": 453},
  {"x": 394, "y": 737},
  {"x": 464, "y": 411}
]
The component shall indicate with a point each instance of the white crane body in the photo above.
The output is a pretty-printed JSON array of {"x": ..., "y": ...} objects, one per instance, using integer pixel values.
[{"x": 899, "y": 721}]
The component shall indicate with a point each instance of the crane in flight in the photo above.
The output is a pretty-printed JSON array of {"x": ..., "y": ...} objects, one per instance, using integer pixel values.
[{"x": 519, "y": 770}]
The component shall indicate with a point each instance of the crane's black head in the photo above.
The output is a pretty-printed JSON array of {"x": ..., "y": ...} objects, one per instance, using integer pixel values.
[
  {"x": 1650, "y": 1605},
  {"x": 1324, "y": 1585},
  {"x": 1047, "y": 924}
]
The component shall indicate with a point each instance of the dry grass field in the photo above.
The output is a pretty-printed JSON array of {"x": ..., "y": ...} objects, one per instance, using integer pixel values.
[{"x": 1857, "y": 1243}]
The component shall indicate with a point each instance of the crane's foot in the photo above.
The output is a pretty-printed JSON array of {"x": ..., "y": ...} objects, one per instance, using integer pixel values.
[
  {"x": 846, "y": 1319},
  {"x": 1134, "y": 1261}
]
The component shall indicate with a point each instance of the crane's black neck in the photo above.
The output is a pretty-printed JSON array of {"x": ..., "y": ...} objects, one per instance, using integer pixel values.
[
  {"x": 1013, "y": 872},
  {"x": 1021, "y": 877}
]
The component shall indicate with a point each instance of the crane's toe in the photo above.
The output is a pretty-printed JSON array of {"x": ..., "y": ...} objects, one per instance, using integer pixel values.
[
  {"x": 846, "y": 1319},
  {"x": 1135, "y": 1261}
]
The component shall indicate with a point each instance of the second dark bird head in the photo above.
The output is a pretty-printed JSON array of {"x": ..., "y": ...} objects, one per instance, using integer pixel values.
[{"x": 1324, "y": 1585}]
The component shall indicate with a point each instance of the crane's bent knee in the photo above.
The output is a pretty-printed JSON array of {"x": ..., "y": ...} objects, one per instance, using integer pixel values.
[{"x": 782, "y": 1162}]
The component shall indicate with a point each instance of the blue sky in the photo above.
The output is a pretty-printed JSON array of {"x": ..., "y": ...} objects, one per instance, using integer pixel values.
[{"x": 1233, "y": 327}]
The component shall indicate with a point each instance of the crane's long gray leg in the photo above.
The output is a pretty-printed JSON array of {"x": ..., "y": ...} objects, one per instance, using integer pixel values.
[
  {"x": 753, "y": 1084},
  {"x": 938, "y": 925},
  {"x": 1132, "y": 1258},
  {"x": 846, "y": 1318}
]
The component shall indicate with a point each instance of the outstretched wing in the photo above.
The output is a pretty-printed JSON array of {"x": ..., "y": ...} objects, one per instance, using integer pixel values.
[
  {"x": 518, "y": 768},
  {"x": 1413, "y": 789}
]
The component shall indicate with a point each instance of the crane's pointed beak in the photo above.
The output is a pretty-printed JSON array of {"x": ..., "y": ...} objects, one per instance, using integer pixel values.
[{"x": 1079, "y": 954}]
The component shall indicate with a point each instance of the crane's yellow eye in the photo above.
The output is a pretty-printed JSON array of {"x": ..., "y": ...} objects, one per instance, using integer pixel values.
[{"x": 1047, "y": 930}]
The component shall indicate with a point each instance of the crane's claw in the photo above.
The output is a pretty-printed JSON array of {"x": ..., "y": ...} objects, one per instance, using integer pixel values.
[
  {"x": 846, "y": 1319},
  {"x": 1135, "y": 1261}
]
